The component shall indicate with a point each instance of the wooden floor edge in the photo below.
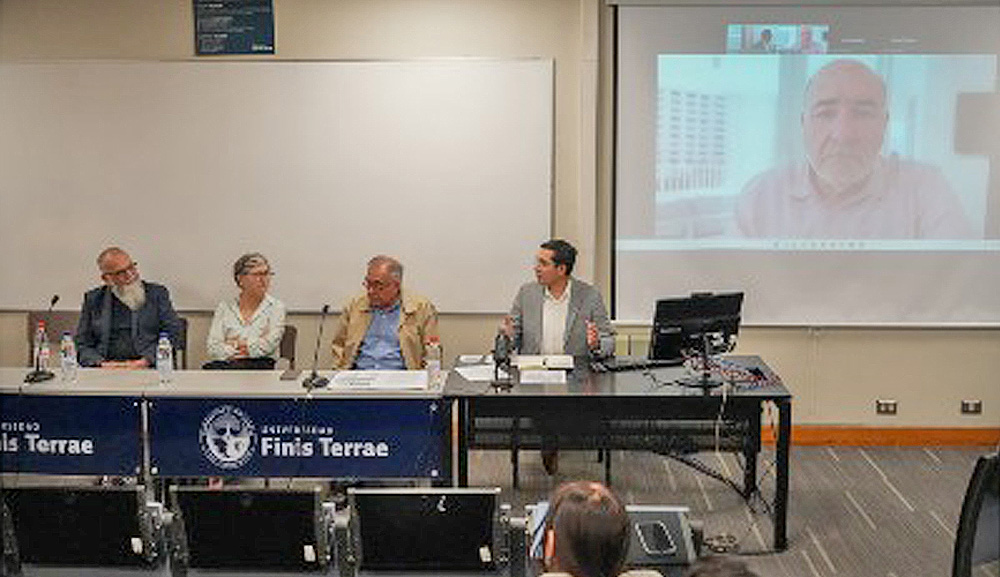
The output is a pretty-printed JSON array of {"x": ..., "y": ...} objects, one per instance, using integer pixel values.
[{"x": 887, "y": 436}]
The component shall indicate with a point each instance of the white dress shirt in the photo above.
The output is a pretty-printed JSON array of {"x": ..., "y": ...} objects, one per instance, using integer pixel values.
[
  {"x": 262, "y": 332},
  {"x": 554, "y": 313}
]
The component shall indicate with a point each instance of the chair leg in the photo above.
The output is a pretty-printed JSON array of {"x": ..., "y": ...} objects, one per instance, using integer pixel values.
[
  {"x": 515, "y": 437},
  {"x": 513, "y": 466}
]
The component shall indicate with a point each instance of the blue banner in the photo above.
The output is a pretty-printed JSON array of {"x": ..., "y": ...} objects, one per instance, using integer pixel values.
[
  {"x": 337, "y": 438},
  {"x": 71, "y": 435}
]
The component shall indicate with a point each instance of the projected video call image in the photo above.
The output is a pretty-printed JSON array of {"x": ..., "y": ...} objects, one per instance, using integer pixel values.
[
  {"x": 839, "y": 164},
  {"x": 775, "y": 144},
  {"x": 777, "y": 38}
]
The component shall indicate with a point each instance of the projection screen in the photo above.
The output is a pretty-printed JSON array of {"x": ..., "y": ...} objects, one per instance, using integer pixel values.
[{"x": 837, "y": 164}]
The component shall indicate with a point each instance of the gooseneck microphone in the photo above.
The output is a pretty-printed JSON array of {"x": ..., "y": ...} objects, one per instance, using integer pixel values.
[
  {"x": 39, "y": 374},
  {"x": 314, "y": 381}
]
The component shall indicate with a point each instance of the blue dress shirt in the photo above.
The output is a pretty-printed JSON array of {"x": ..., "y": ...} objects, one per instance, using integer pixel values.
[{"x": 380, "y": 349}]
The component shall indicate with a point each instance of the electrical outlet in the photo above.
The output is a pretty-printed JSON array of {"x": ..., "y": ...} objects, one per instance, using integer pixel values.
[
  {"x": 972, "y": 407},
  {"x": 885, "y": 406}
]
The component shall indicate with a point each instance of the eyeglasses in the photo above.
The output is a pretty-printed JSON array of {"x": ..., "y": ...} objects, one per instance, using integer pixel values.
[
  {"x": 259, "y": 274},
  {"x": 122, "y": 273},
  {"x": 376, "y": 285}
]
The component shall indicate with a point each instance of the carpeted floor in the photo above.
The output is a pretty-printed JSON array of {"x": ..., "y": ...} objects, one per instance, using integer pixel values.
[{"x": 853, "y": 512}]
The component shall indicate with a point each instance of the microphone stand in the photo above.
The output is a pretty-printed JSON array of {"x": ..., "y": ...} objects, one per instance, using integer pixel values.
[
  {"x": 705, "y": 381},
  {"x": 38, "y": 375},
  {"x": 314, "y": 381}
]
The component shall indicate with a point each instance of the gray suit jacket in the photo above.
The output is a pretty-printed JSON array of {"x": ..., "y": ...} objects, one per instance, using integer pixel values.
[
  {"x": 93, "y": 334},
  {"x": 585, "y": 305}
]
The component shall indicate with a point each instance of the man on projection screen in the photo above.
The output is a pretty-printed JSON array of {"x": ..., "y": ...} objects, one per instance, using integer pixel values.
[{"x": 846, "y": 189}]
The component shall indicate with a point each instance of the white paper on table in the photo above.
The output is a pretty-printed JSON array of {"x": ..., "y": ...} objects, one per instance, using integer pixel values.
[
  {"x": 544, "y": 361},
  {"x": 542, "y": 377},
  {"x": 479, "y": 373},
  {"x": 380, "y": 380},
  {"x": 475, "y": 359}
]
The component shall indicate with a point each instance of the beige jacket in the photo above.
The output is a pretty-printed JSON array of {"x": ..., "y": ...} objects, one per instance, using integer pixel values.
[{"x": 417, "y": 323}]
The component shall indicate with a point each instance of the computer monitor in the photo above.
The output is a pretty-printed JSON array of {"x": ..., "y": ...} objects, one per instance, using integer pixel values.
[
  {"x": 428, "y": 529},
  {"x": 236, "y": 528},
  {"x": 701, "y": 323},
  {"x": 81, "y": 526},
  {"x": 977, "y": 541}
]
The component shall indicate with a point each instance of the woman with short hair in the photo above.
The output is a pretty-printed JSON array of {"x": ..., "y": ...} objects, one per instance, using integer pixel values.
[{"x": 246, "y": 331}]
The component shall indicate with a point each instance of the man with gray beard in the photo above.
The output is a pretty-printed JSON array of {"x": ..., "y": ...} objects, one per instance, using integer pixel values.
[{"x": 121, "y": 321}]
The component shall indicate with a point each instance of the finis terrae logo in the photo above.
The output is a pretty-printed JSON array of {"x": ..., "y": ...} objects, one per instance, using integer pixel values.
[{"x": 227, "y": 437}]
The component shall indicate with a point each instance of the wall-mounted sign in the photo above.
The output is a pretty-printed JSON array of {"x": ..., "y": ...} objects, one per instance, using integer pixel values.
[{"x": 233, "y": 27}]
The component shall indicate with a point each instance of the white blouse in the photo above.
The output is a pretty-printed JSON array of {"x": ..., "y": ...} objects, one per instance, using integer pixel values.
[{"x": 262, "y": 332}]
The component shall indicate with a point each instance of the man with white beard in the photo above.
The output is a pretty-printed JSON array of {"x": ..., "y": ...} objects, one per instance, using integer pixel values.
[{"x": 121, "y": 321}]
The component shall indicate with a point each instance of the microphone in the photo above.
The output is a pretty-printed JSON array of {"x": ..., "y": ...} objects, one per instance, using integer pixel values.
[
  {"x": 39, "y": 375},
  {"x": 502, "y": 349},
  {"x": 314, "y": 381}
]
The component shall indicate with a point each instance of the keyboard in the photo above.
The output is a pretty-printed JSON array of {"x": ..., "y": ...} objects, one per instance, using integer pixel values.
[{"x": 618, "y": 364}]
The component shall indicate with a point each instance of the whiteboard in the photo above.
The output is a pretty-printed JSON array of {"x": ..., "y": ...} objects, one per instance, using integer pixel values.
[{"x": 445, "y": 164}]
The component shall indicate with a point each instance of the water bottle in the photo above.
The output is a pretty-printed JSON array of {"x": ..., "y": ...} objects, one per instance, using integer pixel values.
[
  {"x": 432, "y": 359},
  {"x": 67, "y": 358},
  {"x": 41, "y": 347},
  {"x": 165, "y": 359}
]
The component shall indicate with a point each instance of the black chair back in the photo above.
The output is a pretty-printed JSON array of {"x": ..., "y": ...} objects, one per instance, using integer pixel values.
[
  {"x": 181, "y": 346},
  {"x": 286, "y": 349}
]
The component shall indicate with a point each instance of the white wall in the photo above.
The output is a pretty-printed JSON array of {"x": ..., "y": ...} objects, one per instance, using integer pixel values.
[{"x": 835, "y": 374}]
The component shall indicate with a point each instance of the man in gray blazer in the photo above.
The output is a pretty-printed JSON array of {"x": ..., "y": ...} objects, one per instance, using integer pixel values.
[{"x": 559, "y": 314}]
